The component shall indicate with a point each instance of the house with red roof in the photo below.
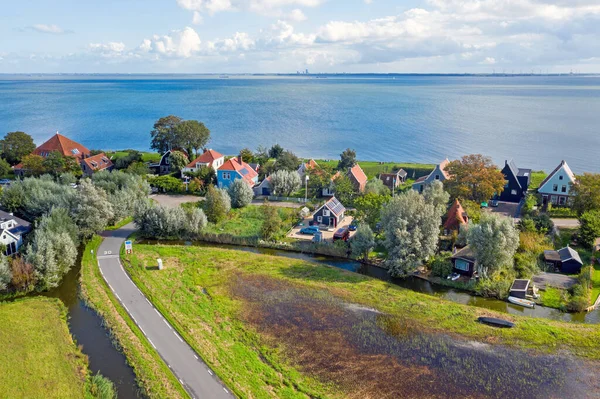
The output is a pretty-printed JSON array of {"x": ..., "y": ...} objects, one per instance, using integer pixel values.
[
  {"x": 209, "y": 158},
  {"x": 455, "y": 218},
  {"x": 69, "y": 148},
  {"x": 356, "y": 176},
  {"x": 439, "y": 173},
  {"x": 233, "y": 169},
  {"x": 306, "y": 166}
]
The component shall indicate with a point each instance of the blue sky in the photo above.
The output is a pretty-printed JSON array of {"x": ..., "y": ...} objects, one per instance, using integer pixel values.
[{"x": 213, "y": 36}]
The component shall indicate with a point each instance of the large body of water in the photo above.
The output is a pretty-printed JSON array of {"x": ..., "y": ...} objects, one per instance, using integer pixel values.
[{"x": 536, "y": 120}]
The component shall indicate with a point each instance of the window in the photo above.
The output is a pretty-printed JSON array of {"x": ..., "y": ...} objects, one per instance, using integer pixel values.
[
  {"x": 513, "y": 192},
  {"x": 460, "y": 264},
  {"x": 319, "y": 219},
  {"x": 560, "y": 177},
  {"x": 563, "y": 189},
  {"x": 553, "y": 199},
  {"x": 555, "y": 187},
  {"x": 226, "y": 175},
  {"x": 326, "y": 212},
  {"x": 562, "y": 200},
  {"x": 437, "y": 177},
  {"x": 75, "y": 151}
]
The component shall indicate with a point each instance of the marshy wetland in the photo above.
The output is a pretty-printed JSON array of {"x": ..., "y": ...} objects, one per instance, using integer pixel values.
[{"x": 280, "y": 327}]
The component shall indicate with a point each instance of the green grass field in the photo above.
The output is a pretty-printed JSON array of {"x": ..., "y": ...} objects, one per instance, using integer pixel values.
[
  {"x": 199, "y": 290},
  {"x": 373, "y": 169},
  {"x": 537, "y": 177},
  {"x": 39, "y": 357},
  {"x": 146, "y": 156}
]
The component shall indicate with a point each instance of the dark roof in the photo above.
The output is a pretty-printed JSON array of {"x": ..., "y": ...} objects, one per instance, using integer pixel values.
[
  {"x": 520, "y": 285},
  {"x": 524, "y": 172},
  {"x": 465, "y": 253},
  {"x": 335, "y": 206},
  {"x": 21, "y": 222},
  {"x": 512, "y": 167},
  {"x": 402, "y": 173},
  {"x": 568, "y": 253},
  {"x": 552, "y": 256}
]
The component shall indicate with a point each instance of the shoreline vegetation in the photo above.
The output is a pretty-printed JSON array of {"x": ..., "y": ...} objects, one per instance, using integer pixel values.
[
  {"x": 153, "y": 376},
  {"x": 207, "y": 309},
  {"x": 39, "y": 356}
]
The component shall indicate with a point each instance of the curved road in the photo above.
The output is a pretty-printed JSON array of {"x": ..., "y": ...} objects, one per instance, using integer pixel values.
[{"x": 192, "y": 372}]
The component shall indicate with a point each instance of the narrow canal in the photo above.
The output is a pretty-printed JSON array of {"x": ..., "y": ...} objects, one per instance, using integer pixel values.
[{"x": 88, "y": 330}]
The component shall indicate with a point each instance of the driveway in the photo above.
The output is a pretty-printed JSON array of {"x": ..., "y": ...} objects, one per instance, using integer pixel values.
[
  {"x": 327, "y": 234},
  {"x": 174, "y": 200},
  {"x": 544, "y": 280},
  {"x": 509, "y": 209},
  {"x": 192, "y": 372},
  {"x": 566, "y": 223}
]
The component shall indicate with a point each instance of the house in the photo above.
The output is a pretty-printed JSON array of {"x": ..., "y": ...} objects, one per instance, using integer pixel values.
[
  {"x": 263, "y": 188},
  {"x": 163, "y": 167},
  {"x": 330, "y": 214},
  {"x": 209, "y": 158},
  {"x": 566, "y": 260},
  {"x": 12, "y": 231},
  {"x": 329, "y": 191},
  {"x": 439, "y": 173},
  {"x": 255, "y": 166},
  {"x": 356, "y": 176},
  {"x": 68, "y": 148},
  {"x": 464, "y": 262},
  {"x": 556, "y": 188},
  {"x": 306, "y": 166},
  {"x": 236, "y": 168},
  {"x": 95, "y": 163},
  {"x": 393, "y": 180},
  {"x": 517, "y": 182},
  {"x": 455, "y": 218}
]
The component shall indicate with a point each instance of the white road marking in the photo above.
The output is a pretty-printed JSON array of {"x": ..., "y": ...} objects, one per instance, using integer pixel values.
[
  {"x": 151, "y": 343},
  {"x": 177, "y": 335},
  {"x": 158, "y": 313},
  {"x": 209, "y": 372},
  {"x": 226, "y": 391},
  {"x": 147, "y": 300},
  {"x": 118, "y": 297},
  {"x": 168, "y": 325},
  {"x": 196, "y": 357}
]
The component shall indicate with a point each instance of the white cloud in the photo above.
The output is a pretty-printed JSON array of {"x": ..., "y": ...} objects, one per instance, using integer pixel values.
[
  {"x": 197, "y": 19},
  {"x": 52, "y": 29},
  {"x": 488, "y": 61},
  {"x": 272, "y": 8},
  {"x": 296, "y": 15},
  {"x": 180, "y": 43}
]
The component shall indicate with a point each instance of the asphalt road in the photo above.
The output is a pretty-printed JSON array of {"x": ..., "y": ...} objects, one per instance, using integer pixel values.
[{"x": 191, "y": 371}]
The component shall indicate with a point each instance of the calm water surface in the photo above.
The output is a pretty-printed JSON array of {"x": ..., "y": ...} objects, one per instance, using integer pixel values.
[{"x": 537, "y": 120}]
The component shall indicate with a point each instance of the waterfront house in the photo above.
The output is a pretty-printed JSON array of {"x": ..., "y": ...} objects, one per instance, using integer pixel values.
[
  {"x": 68, "y": 148},
  {"x": 464, "y": 262},
  {"x": 163, "y": 167},
  {"x": 356, "y": 176},
  {"x": 438, "y": 173},
  {"x": 394, "y": 179},
  {"x": 455, "y": 218},
  {"x": 330, "y": 214},
  {"x": 306, "y": 166},
  {"x": 209, "y": 158},
  {"x": 236, "y": 168},
  {"x": 565, "y": 260},
  {"x": 517, "y": 182},
  {"x": 556, "y": 188},
  {"x": 12, "y": 231},
  {"x": 263, "y": 188},
  {"x": 329, "y": 191}
]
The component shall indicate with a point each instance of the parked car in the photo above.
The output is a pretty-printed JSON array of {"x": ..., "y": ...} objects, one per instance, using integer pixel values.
[
  {"x": 353, "y": 226},
  {"x": 341, "y": 234},
  {"x": 310, "y": 230},
  {"x": 494, "y": 203},
  {"x": 4, "y": 182}
]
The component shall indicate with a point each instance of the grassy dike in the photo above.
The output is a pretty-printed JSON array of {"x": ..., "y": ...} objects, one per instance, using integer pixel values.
[
  {"x": 198, "y": 291},
  {"x": 152, "y": 374},
  {"x": 39, "y": 357}
]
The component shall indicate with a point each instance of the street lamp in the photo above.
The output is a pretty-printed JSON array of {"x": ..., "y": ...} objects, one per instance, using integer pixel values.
[{"x": 305, "y": 188}]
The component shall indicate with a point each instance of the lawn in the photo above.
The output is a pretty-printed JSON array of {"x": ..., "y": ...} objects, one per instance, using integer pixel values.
[
  {"x": 373, "y": 169},
  {"x": 146, "y": 156},
  {"x": 553, "y": 298},
  {"x": 537, "y": 177},
  {"x": 241, "y": 312},
  {"x": 39, "y": 357}
]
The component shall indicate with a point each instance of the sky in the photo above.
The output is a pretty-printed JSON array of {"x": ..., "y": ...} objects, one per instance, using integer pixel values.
[{"x": 285, "y": 36}]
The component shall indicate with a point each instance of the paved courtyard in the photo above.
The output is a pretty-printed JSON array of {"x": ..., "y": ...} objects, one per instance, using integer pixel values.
[
  {"x": 327, "y": 234},
  {"x": 544, "y": 280}
]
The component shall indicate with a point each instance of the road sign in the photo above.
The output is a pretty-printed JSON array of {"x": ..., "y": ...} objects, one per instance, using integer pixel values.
[{"x": 128, "y": 246}]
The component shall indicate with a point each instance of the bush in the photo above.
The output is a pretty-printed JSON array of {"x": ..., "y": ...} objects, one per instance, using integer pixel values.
[
  {"x": 166, "y": 184},
  {"x": 217, "y": 204},
  {"x": 580, "y": 298},
  {"x": 441, "y": 265},
  {"x": 560, "y": 212},
  {"x": 241, "y": 194},
  {"x": 497, "y": 286},
  {"x": 590, "y": 228},
  {"x": 586, "y": 276},
  {"x": 102, "y": 388},
  {"x": 272, "y": 222}
]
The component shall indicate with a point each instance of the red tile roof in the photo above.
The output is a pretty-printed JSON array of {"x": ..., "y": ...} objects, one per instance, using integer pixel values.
[
  {"x": 64, "y": 145},
  {"x": 207, "y": 157},
  {"x": 242, "y": 168},
  {"x": 443, "y": 165},
  {"x": 97, "y": 162},
  {"x": 359, "y": 176},
  {"x": 311, "y": 164},
  {"x": 456, "y": 217}
]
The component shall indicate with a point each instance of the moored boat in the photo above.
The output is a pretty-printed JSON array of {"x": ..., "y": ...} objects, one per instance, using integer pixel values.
[
  {"x": 492, "y": 321},
  {"x": 521, "y": 302}
]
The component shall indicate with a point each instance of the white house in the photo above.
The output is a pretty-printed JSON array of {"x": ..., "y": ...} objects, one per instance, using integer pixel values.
[
  {"x": 438, "y": 173},
  {"x": 556, "y": 188},
  {"x": 12, "y": 230},
  {"x": 263, "y": 188},
  {"x": 207, "y": 158},
  {"x": 306, "y": 166}
]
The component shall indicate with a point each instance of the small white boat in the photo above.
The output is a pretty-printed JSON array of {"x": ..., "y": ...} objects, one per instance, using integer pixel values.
[{"x": 521, "y": 302}]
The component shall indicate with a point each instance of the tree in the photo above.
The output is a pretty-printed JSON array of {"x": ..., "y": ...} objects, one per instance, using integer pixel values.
[
  {"x": 441, "y": 265},
  {"x": 368, "y": 208},
  {"x": 271, "y": 222},
  {"x": 261, "y": 155},
  {"x": 434, "y": 194},
  {"x": 217, "y": 204},
  {"x": 344, "y": 189},
  {"x": 474, "y": 178},
  {"x": 586, "y": 193},
  {"x": 247, "y": 155},
  {"x": 166, "y": 183},
  {"x": 23, "y": 274},
  {"x": 347, "y": 159},
  {"x": 15, "y": 146},
  {"x": 287, "y": 161},
  {"x": 33, "y": 165},
  {"x": 363, "y": 242},
  {"x": 91, "y": 209},
  {"x": 160, "y": 222},
  {"x": 138, "y": 168},
  {"x": 192, "y": 135},
  {"x": 411, "y": 226},
  {"x": 178, "y": 160},
  {"x": 195, "y": 221},
  {"x": 241, "y": 194},
  {"x": 59, "y": 221},
  {"x": 284, "y": 182},
  {"x": 494, "y": 242},
  {"x": 35, "y": 197},
  {"x": 589, "y": 228},
  {"x": 129, "y": 159},
  {"x": 52, "y": 255},
  {"x": 164, "y": 135},
  {"x": 5, "y": 272},
  {"x": 4, "y": 167},
  {"x": 275, "y": 151},
  {"x": 376, "y": 186},
  {"x": 66, "y": 179}
]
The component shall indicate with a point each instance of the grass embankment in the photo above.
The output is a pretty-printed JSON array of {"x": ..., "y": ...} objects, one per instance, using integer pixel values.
[
  {"x": 153, "y": 375},
  {"x": 39, "y": 357},
  {"x": 373, "y": 169},
  {"x": 120, "y": 223},
  {"x": 195, "y": 292}
]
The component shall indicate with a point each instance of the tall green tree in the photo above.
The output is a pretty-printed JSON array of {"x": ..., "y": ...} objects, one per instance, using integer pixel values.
[
  {"x": 217, "y": 204},
  {"x": 15, "y": 146},
  {"x": 347, "y": 159},
  {"x": 434, "y": 194},
  {"x": 247, "y": 155},
  {"x": 192, "y": 135},
  {"x": 178, "y": 160},
  {"x": 287, "y": 161},
  {"x": 368, "y": 208},
  {"x": 92, "y": 211},
  {"x": 586, "y": 193},
  {"x": 344, "y": 189},
  {"x": 362, "y": 242},
  {"x": 275, "y": 151},
  {"x": 589, "y": 229},
  {"x": 33, "y": 165},
  {"x": 271, "y": 221},
  {"x": 241, "y": 194},
  {"x": 474, "y": 177},
  {"x": 164, "y": 135},
  {"x": 4, "y": 167},
  {"x": 376, "y": 186}
]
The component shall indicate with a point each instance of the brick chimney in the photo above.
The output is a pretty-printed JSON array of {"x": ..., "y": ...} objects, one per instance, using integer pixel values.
[{"x": 239, "y": 159}]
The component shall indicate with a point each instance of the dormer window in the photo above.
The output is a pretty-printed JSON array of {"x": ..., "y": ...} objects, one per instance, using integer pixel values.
[
  {"x": 560, "y": 177},
  {"x": 75, "y": 151},
  {"x": 437, "y": 177}
]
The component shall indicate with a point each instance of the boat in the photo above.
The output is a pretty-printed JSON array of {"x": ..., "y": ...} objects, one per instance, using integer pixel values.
[
  {"x": 521, "y": 302},
  {"x": 494, "y": 322}
]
